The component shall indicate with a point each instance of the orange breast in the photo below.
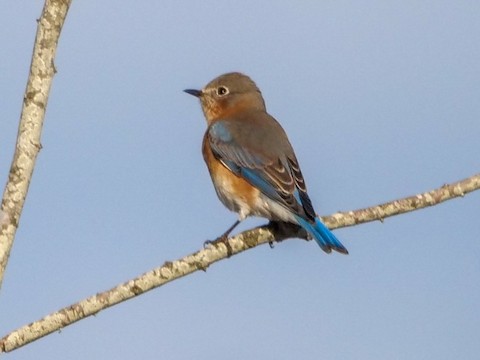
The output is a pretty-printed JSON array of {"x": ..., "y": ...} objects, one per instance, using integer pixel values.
[{"x": 235, "y": 192}]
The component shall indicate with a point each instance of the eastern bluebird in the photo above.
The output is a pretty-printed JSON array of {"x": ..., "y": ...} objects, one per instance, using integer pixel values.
[{"x": 252, "y": 164}]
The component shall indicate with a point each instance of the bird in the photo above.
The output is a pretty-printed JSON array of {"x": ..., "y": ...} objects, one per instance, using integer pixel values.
[{"x": 252, "y": 164}]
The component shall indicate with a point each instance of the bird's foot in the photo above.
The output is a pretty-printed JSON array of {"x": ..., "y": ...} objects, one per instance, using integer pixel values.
[
  {"x": 221, "y": 239},
  {"x": 207, "y": 243}
]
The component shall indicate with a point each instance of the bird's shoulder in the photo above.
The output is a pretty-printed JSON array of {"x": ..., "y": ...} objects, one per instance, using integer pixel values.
[{"x": 248, "y": 128}]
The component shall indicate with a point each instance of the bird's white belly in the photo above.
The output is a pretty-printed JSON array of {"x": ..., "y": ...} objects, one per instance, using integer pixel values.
[{"x": 230, "y": 198}]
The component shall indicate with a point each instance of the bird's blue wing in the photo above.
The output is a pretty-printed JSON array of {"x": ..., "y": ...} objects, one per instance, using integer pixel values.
[{"x": 276, "y": 175}]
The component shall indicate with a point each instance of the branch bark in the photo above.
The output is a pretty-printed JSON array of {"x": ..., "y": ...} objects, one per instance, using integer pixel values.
[
  {"x": 28, "y": 145},
  {"x": 202, "y": 259}
]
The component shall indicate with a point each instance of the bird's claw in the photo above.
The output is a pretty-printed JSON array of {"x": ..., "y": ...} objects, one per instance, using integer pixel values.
[
  {"x": 216, "y": 241},
  {"x": 221, "y": 239},
  {"x": 207, "y": 243}
]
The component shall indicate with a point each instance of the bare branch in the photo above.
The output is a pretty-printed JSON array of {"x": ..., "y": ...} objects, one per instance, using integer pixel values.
[
  {"x": 202, "y": 259},
  {"x": 401, "y": 206},
  {"x": 28, "y": 145}
]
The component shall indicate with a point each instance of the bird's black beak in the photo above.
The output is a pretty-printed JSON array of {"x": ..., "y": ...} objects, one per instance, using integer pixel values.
[{"x": 196, "y": 93}]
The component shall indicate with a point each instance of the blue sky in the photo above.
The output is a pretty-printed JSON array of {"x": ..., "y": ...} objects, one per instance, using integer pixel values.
[{"x": 380, "y": 100}]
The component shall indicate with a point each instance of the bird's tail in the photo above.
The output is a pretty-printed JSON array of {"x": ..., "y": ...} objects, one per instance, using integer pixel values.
[{"x": 323, "y": 236}]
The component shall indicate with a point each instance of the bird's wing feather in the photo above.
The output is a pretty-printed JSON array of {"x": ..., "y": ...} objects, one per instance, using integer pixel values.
[{"x": 274, "y": 172}]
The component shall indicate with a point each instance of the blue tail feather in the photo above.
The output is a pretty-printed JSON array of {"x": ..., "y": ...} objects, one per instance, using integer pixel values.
[{"x": 322, "y": 235}]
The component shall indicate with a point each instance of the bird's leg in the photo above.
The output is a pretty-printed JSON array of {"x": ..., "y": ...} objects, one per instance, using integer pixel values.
[
  {"x": 229, "y": 230},
  {"x": 224, "y": 236}
]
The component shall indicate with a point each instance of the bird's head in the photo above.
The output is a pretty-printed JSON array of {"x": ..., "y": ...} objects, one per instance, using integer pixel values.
[{"x": 228, "y": 94}]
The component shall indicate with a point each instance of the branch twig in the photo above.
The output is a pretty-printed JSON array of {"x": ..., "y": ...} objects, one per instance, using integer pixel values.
[
  {"x": 28, "y": 144},
  {"x": 202, "y": 259},
  {"x": 401, "y": 206}
]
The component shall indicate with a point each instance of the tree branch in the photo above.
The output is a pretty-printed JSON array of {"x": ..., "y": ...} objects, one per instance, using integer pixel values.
[
  {"x": 202, "y": 259},
  {"x": 401, "y": 206},
  {"x": 28, "y": 145}
]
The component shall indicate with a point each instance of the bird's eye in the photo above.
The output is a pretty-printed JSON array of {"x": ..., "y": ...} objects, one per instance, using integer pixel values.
[{"x": 222, "y": 90}]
